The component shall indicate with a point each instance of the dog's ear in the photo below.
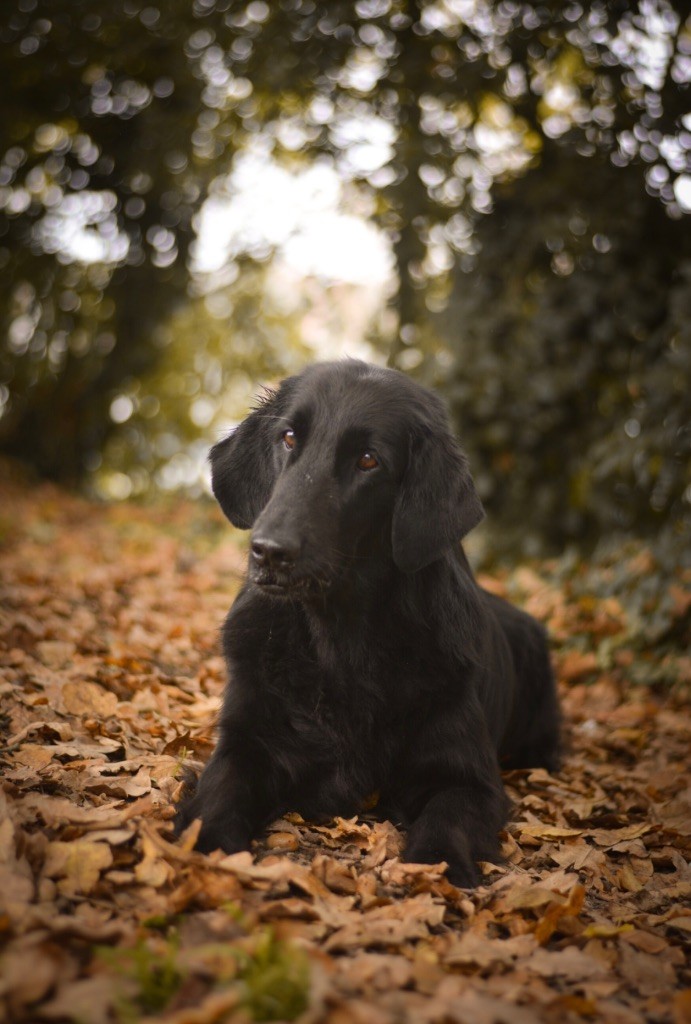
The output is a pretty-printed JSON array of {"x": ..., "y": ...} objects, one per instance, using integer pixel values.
[
  {"x": 436, "y": 505},
  {"x": 242, "y": 465}
]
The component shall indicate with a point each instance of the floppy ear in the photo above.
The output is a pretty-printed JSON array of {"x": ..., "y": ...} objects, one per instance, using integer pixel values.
[
  {"x": 437, "y": 503},
  {"x": 242, "y": 467}
]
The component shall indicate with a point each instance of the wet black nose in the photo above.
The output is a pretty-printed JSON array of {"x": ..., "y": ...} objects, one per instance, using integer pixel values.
[{"x": 274, "y": 554}]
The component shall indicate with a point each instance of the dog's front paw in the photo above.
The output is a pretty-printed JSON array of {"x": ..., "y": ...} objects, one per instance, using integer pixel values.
[
  {"x": 452, "y": 848},
  {"x": 221, "y": 836},
  {"x": 461, "y": 871},
  {"x": 464, "y": 874},
  {"x": 225, "y": 832}
]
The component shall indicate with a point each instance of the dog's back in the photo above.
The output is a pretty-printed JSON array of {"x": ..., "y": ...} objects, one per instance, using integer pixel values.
[{"x": 532, "y": 735}]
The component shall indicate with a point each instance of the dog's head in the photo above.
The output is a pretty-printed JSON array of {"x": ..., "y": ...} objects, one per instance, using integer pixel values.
[{"x": 345, "y": 465}]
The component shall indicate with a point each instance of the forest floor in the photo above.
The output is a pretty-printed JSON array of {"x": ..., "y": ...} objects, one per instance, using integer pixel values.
[{"x": 110, "y": 677}]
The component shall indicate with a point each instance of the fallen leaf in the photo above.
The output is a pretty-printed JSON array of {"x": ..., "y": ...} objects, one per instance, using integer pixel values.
[
  {"x": 649, "y": 975},
  {"x": 56, "y": 811},
  {"x": 681, "y": 1011},
  {"x": 152, "y": 870},
  {"x": 29, "y": 971},
  {"x": 77, "y": 864},
  {"x": 335, "y": 875},
  {"x": 55, "y": 653},
  {"x": 282, "y": 841},
  {"x": 570, "y": 963},
  {"x": 576, "y": 664},
  {"x": 85, "y": 698},
  {"x": 33, "y": 755},
  {"x": 51, "y": 729},
  {"x": 605, "y": 930},
  {"x": 645, "y": 941},
  {"x": 546, "y": 831},
  {"x": 612, "y": 837},
  {"x": 388, "y": 926},
  {"x": 682, "y": 924},
  {"x": 88, "y": 999},
  {"x": 473, "y": 950},
  {"x": 557, "y": 912}
]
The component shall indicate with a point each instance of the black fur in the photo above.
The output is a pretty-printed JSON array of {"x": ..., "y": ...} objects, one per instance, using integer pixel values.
[{"x": 362, "y": 655}]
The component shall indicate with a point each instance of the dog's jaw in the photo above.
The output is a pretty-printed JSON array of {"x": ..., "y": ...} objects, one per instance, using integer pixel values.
[{"x": 288, "y": 585}]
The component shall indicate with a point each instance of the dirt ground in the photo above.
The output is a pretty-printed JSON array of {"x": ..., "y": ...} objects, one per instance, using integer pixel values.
[{"x": 110, "y": 677}]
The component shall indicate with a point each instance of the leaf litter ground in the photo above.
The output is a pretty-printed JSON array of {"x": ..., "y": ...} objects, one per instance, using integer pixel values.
[{"x": 109, "y": 682}]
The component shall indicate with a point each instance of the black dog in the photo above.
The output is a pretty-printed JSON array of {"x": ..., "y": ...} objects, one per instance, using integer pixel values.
[{"x": 363, "y": 657}]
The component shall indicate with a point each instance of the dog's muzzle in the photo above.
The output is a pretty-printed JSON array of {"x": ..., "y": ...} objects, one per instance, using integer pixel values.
[{"x": 274, "y": 566}]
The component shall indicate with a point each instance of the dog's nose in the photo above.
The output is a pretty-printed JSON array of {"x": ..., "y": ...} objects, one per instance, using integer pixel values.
[{"x": 274, "y": 554}]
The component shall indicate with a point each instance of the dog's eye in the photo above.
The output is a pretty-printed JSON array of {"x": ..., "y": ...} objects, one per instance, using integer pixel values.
[
  {"x": 366, "y": 462},
  {"x": 289, "y": 439}
]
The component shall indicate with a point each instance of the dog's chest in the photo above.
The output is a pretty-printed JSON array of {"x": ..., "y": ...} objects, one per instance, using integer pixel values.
[
  {"x": 344, "y": 744},
  {"x": 339, "y": 711},
  {"x": 323, "y": 695}
]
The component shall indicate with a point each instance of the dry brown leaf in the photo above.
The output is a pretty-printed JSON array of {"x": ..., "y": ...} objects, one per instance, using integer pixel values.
[
  {"x": 527, "y": 897},
  {"x": 473, "y": 950},
  {"x": 67, "y": 926},
  {"x": 282, "y": 841},
  {"x": 292, "y": 907},
  {"x": 112, "y": 836},
  {"x": 681, "y": 1011},
  {"x": 395, "y": 872},
  {"x": 17, "y": 894},
  {"x": 336, "y": 875},
  {"x": 389, "y": 926},
  {"x": 152, "y": 870},
  {"x": 645, "y": 941},
  {"x": 545, "y": 831},
  {"x": 77, "y": 864},
  {"x": 87, "y": 999},
  {"x": 213, "y": 1009},
  {"x": 682, "y": 924},
  {"x": 188, "y": 838},
  {"x": 33, "y": 755},
  {"x": 207, "y": 888},
  {"x": 556, "y": 913},
  {"x": 366, "y": 888},
  {"x": 85, "y": 698},
  {"x": 628, "y": 880},
  {"x": 612, "y": 837},
  {"x": 358, "y": 1011},
  {"x": 576, "y": 664},
  {"x": 473, "y": 1007},
  {"x": 29, "y": 970},
  {"x": 605, "y": 930},
  {"x": 55, "y": 653},
  {"x": 570, "y": 963},
  {"x": 51, "y": 729},
  {"x": 573, "y": 1004},
  {"x": 649, "y": 975},
  {"x": 378, "y": 971},
  {"x": 56, "y": 811},
  {"x": 132, "y": 787}
]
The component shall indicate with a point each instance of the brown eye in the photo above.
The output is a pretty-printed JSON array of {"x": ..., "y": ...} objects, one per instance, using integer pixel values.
[
  {"x": 366, "y": 462},
  {"x": 288, "y": 438}
]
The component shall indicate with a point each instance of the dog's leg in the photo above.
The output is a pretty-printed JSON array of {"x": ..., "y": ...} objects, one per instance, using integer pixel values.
[
  {"x": 533, "y": 736},
  {"x": 230, "y": 801},
  {"x": 459, "y": 825},
  {"x": 459, "y": 804}
]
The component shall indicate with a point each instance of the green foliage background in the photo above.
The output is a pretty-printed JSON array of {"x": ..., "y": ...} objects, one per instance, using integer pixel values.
[{"x": 534, "y": 192}]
